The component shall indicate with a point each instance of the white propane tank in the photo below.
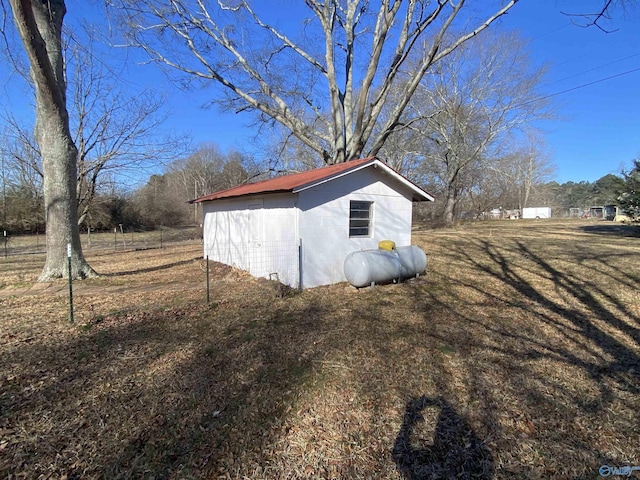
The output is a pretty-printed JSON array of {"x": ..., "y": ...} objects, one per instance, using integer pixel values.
[
  {"x": 413, "y": 260},
  {"x": 365, "y": 267},
  {"x": 371, "y": 266}
]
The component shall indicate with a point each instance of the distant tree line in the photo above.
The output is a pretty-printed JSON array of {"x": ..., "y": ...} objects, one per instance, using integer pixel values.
[
  {"x": 161, "y": 201},
  {"x": 513, "y": 182},
  {"x": 604, "y": 191},
  {"x": 500, "y": 191}
]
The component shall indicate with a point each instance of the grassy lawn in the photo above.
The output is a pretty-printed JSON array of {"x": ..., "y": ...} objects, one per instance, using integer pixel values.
[
  {"x": 517, "y": 356},
  {"x": 120, "y": 240}
]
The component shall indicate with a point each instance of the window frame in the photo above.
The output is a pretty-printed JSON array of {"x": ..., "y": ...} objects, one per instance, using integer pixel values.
[{"x": 368, "y": 219}]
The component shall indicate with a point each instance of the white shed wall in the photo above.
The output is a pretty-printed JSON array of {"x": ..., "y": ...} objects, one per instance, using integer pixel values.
[
  {"x": 256, "y": 234},
  {"x": 324, "y": 222}
]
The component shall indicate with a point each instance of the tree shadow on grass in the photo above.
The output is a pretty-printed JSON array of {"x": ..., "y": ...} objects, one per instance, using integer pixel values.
[
  {"x": 454, "y": 452},
  {"x": 589, "y": 321},
  {"x": 135, "y": 396},
  {"x": 552, "y": 336},
  {"x": 613, "y": 229},
  {"x": 157, "y": 268},
  {"x": 227, "y": 404}
]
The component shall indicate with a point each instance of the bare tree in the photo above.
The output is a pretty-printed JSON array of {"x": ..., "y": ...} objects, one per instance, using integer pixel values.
[
  {"x": 468, "y": 111},
  {"x": 22, "y": 190},
  {"x": 490, "y": 191},
  {"x": 114, "y": 132},
  {"x": 39, "y": 24},
  {"x": 329, "y": 97},
  {"x": 510, "y": 182},
  {"x": 164, "y": 200},
  {"x": 526, "y": 169},
  {"x": 208, "y": 169}
]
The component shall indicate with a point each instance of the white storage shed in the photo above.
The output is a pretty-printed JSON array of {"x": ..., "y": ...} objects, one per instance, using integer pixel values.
[{"x": 299, "y": 228}]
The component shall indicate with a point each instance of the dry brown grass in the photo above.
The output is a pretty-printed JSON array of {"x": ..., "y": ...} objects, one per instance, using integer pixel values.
[
  {"x": 31, "y": 244},
  {"x": 518, "y": 356}
]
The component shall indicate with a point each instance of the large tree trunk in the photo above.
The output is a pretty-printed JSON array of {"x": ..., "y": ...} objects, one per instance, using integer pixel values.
[
  {"x": 448, "y": 215},
  {"x": 39, "y": 23}
]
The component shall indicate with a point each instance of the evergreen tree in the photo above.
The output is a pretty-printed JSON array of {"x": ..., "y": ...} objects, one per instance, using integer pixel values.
[{"x": 629, "y": 200}]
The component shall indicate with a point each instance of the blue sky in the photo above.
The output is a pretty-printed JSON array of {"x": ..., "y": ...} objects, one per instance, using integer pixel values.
[
  {"x": 598, "y": 126},
  {"x": 598, "y": 118}
]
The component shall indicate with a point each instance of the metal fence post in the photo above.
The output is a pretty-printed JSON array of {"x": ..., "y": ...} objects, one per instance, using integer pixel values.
[
  {"x": 300, "y": 265},
  {"x": 70, "y": 285},
  {"x": 208, "y": 295}
]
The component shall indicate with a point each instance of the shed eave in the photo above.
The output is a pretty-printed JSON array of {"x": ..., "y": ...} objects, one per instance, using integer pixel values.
[
  {"x": 419, "y": 195},
  {"x": 243, "y": 195}
]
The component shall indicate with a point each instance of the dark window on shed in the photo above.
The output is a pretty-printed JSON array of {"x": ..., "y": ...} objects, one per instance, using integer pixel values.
[{"x": 360, "y": 216}]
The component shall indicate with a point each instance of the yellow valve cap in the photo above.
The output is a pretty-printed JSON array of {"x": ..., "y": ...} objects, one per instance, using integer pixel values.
[{"x": 387, "y": 245}]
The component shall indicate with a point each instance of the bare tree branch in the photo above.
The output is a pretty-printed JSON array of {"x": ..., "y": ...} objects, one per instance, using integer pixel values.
[
  {"x": 364, "y": 48},
  {"x": 593, "y": 19}
]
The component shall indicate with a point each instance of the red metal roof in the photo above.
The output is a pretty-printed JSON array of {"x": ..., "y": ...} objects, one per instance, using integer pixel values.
[{"x": 295, "y": 181}]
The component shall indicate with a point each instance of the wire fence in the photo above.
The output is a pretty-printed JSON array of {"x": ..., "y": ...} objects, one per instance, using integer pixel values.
[
  {"x": 119, "y": 239},
  {"x": 280, "y": 261}
]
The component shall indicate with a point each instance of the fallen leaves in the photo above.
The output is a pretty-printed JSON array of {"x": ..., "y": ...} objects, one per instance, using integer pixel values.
[{"x": 535, "y": 359}]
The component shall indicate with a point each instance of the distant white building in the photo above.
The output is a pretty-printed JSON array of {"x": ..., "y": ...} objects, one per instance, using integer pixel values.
[
  {"x": 495, "y": 213},
  {"x": 536, "y": 212},
  {"x": 299, "y": 228}
]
